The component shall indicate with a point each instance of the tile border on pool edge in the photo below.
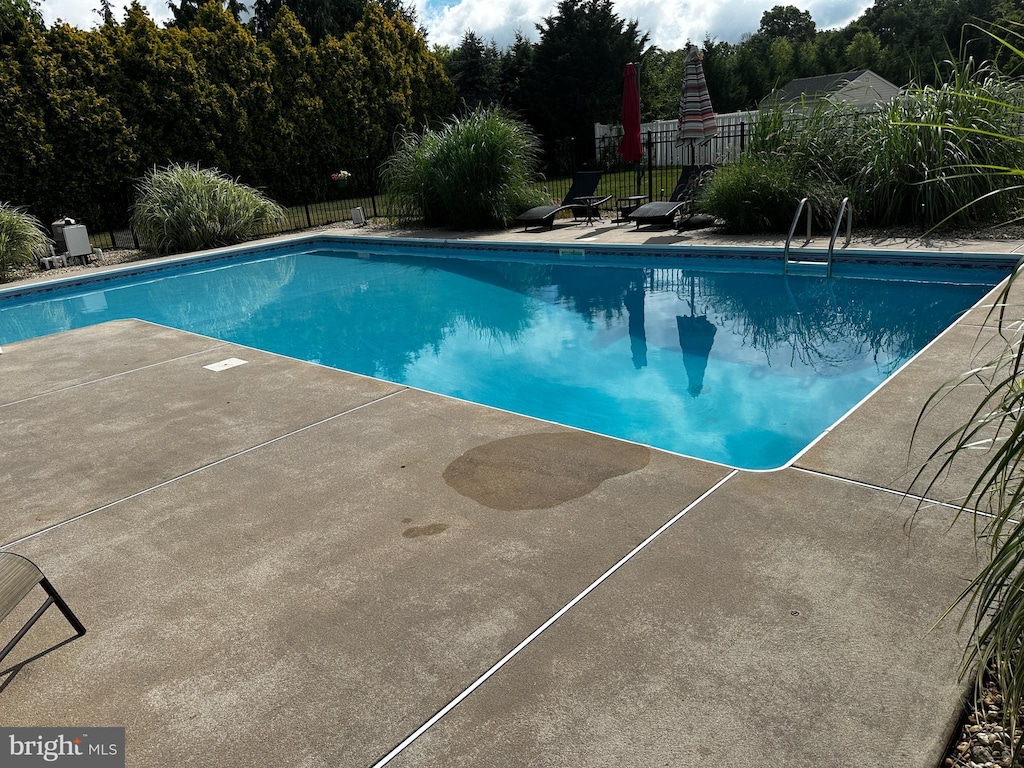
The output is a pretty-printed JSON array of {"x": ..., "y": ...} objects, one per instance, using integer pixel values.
[
  {"x": 151, "y": 267},
  {"x": 951, "y": 259},
  {"x": 590, "y": 255}
]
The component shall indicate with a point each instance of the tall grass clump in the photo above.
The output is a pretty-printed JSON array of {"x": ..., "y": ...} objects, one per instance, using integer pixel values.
[
  {"x": 949, "y": 154},
  {"x": 187, "y": 208},
  {"x": 20, "y": 235},
  {"x": 991, "y": 606},
  {"x": 754, "y": 194},
  {"x": 473, "y": 172},
  {"x": 791, "y": 155},
  {"x": 945, "y": 155}
]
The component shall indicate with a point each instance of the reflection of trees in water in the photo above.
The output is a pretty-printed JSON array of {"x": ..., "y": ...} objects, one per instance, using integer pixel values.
[
  {"x": 496, "y": 321},
  {"x": 597, "y": 292},
  {"x": 26, "y": 321},
  {"x": 384, "y": 316},
  {"x": 780, "y": 314},
  {"x": 223, "y": 300},
  {"x": 827, "y": 323},
  {"x": 404, "y": 305}
]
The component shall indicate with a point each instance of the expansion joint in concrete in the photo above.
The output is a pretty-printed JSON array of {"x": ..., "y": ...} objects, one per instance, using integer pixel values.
[
  {"x": 920, "y": 501},
  {"x": 402, "y": 746},
  {"x": 197, "y": 470},
  {"x": 89, "y": 383}
]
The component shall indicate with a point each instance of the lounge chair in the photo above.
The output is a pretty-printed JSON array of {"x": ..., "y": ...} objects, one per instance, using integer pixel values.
[
  {"x": 583, "y": 185},
  {"x": 664, "y": 213},
  {"x": 18, "y": 577}
]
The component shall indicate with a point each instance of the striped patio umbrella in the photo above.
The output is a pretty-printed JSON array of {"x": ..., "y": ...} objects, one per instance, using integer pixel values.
[{"x": 696, "y": 115}]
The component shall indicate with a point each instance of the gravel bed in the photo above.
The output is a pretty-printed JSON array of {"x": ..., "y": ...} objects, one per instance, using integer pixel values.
[
  {"x": 982, "y": 741},
  {"x": 32, "y": 272}
]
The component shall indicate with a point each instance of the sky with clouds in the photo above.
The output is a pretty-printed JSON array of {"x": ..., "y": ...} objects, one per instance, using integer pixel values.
[{"x": 668, "y": 22}]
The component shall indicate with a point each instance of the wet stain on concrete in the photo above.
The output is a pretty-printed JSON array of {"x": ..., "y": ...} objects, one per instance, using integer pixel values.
[
  {"x": 541, "y": 470},
  {"x": 424, "y": 530}
]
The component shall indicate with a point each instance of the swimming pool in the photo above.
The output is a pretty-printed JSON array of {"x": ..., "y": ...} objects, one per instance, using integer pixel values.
[{"x": 724, "y": 359}]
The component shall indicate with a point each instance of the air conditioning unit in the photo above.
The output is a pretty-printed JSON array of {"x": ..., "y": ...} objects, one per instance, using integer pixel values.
[
  {"x": 76, "y": 238},
  {"x": 358, "y": 217}
]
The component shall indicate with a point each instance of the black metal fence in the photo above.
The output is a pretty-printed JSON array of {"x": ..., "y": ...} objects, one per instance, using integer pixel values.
[
  {"x": 654, "y": 178},
  {"x": 656, "y": 175},
  {"x": 324, "y": 202},
  {"x": 662, "y": 149}
]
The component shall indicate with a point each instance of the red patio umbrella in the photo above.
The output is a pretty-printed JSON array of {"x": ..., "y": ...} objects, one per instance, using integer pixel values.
[
  {"x": 696, "y": 115},
  {"x": 630, "y": 147}
]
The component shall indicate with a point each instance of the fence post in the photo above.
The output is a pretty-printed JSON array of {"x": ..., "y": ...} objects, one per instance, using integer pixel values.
[
  {"x": 650, "y": 166},
  {"x": 372, "y": 174}
]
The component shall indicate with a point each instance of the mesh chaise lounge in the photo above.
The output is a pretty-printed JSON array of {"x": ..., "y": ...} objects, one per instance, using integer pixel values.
[
  {"x": 18, "y": 577},
  {"x": 664, "y": 213},
  {"x": 583, "y": 185}
]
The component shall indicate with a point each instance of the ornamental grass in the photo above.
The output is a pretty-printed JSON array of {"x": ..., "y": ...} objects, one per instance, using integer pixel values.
[
  {"x": 183, "y": 208},
  {"x": 21, "y": 235},
  {"x": 474, "y": 172}
]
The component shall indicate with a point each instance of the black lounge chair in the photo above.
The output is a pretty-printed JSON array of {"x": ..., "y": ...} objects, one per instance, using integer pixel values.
[
  {"x": 664, "y": 213},
  {"x": 583, "y": 185},
  {"x": 18, "y": 577}
]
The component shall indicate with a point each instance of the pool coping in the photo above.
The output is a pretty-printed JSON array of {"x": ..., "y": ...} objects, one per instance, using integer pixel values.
[
  {"x": 585, "y": 253},
  {"x": 547, "y": 253},
  {"x": 825, "y": 484}
]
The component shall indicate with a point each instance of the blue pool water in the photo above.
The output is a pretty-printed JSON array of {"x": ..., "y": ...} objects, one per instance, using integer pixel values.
[{"x": 723, "y": 359}]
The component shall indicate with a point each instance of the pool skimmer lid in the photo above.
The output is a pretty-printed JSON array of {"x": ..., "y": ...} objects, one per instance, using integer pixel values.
[{"x": 223, "y": 365}]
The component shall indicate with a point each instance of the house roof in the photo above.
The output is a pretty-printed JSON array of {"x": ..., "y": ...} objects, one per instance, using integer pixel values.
[{"x": 812, "y": 87}]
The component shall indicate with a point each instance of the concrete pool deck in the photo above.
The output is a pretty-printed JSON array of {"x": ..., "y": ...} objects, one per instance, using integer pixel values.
[{"x": 283, "y": 564}]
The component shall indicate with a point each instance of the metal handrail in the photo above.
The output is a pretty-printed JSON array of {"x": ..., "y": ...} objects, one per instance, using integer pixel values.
[
  {"x": 844, "y": 207},
  {"x": 804, "y": 203}
]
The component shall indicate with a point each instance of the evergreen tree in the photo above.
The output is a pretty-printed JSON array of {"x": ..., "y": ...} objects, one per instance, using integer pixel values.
[
  {"x": 395, "y": 80},
  {"x": 106, "y": 13},
  {"x": 727, "y": 91},
  {"x": 184, "y": 13},
  {"x": 164, "y": 93},
  {"x": 238, "y": 72},
  {"x": 326, "y": 18},
  {"x": 475, "y": 71},
  {"x": 63, "y": 137},
  {"x": 18, "y": 16},
  {"x": 577, "y": 73},
  {"x": 514, "y": 73}
]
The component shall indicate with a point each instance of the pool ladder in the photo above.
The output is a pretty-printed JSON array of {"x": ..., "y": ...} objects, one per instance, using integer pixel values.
[{"x": 845, "y": 207}]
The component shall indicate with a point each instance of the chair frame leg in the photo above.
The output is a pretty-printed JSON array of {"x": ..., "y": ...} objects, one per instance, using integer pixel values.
[
  {"x": 52, "y": 598},
  {"x": 73, "y": 620}
]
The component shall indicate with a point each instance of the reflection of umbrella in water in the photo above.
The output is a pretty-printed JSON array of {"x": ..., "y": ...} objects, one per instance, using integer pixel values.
[
  {"x": 634, "y": 301},
  {"x": 696, "y": 336}
]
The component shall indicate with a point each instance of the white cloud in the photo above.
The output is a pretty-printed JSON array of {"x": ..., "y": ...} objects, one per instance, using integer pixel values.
[
  {"x": 81, "y": 13},
  {"x": 670, "y": 23},
  {"x": 446, "y": 25}
]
